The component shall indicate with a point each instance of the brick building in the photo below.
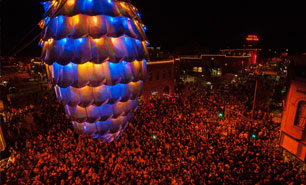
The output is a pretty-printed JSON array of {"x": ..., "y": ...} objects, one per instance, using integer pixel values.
[
  {"x": 213, "y": 64},
  {"x": 293, "y": 129},
  {"x": 160, "y": 78}
]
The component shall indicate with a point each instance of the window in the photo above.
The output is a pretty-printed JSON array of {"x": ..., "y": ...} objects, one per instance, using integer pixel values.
[
  {"x": 200, "y": 70},
  {"x": 300, "y": 117},
  {"x": 150, "y": 77},
  {"x": 164, "y": 75},
  {"x": 197, "y": 69}
]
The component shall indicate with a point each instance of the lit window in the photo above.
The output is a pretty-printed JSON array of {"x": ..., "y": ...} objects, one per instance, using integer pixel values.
[
  {"x": 200, "y": 70},
  {"x": 195, "y": 69}
]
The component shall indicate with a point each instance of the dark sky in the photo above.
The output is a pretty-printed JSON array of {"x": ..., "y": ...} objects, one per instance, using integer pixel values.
[{"x": 184, "y": 25}]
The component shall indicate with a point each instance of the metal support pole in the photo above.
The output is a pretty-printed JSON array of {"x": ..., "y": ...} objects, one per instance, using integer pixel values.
[
  {"x": 254, "y": 100},
  {"x": 253, "y": 111}
]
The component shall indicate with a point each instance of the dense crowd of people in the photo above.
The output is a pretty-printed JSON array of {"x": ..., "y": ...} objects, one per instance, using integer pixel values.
[
  {"x": 26, "y": 119},
  {"x": 171, "y": 140}
]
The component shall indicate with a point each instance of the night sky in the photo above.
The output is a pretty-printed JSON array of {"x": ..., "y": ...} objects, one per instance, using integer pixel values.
[{"x": 183, "y": 26}]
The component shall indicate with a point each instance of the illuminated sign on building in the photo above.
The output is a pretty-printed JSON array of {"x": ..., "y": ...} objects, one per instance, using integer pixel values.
[{"x": 252, "y": 38}]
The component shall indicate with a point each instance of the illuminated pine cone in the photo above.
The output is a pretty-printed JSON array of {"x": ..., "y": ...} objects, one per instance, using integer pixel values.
[{"x": 95, "y": 52}]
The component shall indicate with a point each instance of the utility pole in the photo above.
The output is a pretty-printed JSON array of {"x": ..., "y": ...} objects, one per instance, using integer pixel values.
[
  {"x": 251, "y": 120},
  {"x": 253, "y": 108},
  {"x": 254, "y": 100},
  {"x": 253, "y": 111}
]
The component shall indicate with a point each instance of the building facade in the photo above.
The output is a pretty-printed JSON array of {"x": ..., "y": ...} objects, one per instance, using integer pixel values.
[
  {"x": 210, "y": 65},
  {"x": 160, "y": 79},
  {"x": 293, "y": 130}
]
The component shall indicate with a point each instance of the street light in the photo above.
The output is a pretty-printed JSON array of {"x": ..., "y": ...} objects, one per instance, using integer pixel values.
[
  {"x": 221, "y": 114},
  {"x": 254, "y": 136}
]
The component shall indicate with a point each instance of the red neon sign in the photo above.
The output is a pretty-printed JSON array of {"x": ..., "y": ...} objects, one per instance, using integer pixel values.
[{"x": 252, "y": 38}]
